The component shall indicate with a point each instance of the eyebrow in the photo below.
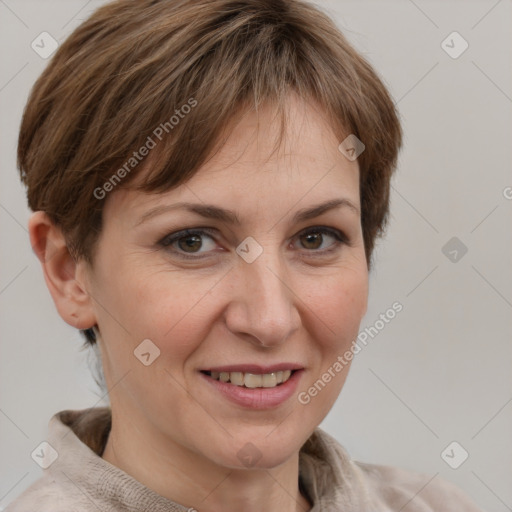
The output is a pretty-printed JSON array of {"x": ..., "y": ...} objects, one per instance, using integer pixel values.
[{"x": 209, "y": 211}]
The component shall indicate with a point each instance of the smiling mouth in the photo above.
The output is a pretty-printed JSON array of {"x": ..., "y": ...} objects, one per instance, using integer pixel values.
[{"x": 251, "y": 380}]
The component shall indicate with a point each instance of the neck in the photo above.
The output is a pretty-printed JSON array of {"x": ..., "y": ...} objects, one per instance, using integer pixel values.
[{"x": 184, "y": 476}]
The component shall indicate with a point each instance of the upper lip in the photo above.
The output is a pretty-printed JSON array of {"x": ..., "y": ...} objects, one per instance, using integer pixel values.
[{"x": 254, "y": 368}]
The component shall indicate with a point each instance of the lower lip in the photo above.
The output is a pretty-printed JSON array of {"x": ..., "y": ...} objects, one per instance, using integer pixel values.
[{"x": 257, "y": 398}]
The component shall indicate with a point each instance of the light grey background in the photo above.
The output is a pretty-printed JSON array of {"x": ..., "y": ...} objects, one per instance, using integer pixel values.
[{"x": 440, "y": 371}]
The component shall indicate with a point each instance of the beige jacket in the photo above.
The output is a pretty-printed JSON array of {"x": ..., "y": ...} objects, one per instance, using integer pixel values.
[{"x": 80, "y": 480}]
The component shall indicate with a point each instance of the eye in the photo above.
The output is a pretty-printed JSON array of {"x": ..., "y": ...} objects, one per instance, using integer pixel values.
[
  {"x": 189, "y": 241},
  {"x": 312, "y": 239}
]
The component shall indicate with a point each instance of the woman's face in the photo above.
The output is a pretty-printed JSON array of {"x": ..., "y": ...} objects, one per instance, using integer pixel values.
[{"x": 275, "y": 288}]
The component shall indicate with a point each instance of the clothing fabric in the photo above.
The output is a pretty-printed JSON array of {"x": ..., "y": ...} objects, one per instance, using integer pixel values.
[{"x": 80, "y": 480}]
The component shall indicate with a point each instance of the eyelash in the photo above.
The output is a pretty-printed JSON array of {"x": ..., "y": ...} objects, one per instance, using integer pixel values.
[{"x": 166, "y": 242}]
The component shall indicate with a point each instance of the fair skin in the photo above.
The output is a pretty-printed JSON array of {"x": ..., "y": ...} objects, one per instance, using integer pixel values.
[{"x": 300, "y": 301}]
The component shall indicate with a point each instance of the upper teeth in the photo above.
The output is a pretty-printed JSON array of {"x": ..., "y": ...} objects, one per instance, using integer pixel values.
[{"x": 250, "y": 380}]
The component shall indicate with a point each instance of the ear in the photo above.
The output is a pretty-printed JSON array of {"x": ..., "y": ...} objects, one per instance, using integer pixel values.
[{"x": 62, "y": 273}]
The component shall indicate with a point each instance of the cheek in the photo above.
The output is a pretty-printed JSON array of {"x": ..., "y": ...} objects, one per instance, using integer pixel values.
[
  {"x": 171, "y": 309},
  {"x": 176, "y": 310},
  {"x": 337, "y": 306}
]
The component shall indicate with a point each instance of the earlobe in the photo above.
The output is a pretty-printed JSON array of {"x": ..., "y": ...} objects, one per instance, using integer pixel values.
[{"x": 61, "y": 272}]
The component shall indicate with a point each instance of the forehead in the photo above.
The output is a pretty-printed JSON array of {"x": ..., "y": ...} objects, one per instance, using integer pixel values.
[{"x": 252, "y": 171}]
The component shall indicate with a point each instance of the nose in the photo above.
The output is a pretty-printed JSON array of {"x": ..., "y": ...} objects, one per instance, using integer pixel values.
[{"x": 263, "y": 303}]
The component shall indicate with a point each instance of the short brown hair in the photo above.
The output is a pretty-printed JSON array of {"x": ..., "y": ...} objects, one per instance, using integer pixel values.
[{"x": 134, "y": 64}]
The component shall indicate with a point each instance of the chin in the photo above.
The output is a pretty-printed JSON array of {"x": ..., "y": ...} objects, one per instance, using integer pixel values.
[{"x": 264, "y": 452}]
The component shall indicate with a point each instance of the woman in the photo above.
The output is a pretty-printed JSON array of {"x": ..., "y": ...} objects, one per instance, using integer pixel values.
[{"x": 208, "y": 180}]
